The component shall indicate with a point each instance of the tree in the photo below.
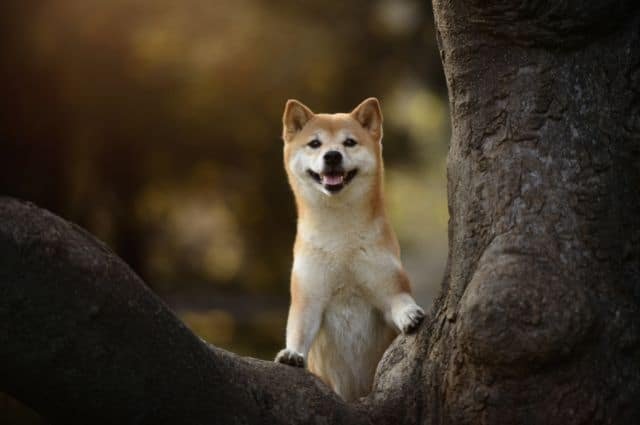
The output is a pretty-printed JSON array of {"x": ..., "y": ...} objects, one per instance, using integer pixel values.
[{"x": 539, "y": 317}]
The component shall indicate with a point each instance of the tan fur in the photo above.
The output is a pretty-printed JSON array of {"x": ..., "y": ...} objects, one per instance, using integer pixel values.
[{"x": 349, "y": 293}]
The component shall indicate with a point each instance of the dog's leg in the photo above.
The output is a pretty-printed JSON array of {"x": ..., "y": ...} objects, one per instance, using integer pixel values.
[
  {"x": 393, "y": 297},
  {"x": 303, "y": 323},
  {"x": 405, "y": 314},
  {"x": 402, "y": 309}
]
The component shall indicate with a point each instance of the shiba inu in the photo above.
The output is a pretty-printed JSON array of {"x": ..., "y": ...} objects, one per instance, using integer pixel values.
[{"x": 349, "y": 293}]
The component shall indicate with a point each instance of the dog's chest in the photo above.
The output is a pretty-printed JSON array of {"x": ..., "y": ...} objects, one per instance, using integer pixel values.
[{"x": 341, "y": 256}]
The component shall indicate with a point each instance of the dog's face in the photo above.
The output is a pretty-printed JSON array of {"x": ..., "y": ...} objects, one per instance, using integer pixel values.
[{"x": 332, "y": 154}]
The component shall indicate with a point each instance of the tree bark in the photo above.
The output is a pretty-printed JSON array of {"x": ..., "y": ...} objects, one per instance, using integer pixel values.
[
  {"x": 539, "y": 317},
  {"x": 538, "y": 320},
  {"x": 83, "y": 340}
]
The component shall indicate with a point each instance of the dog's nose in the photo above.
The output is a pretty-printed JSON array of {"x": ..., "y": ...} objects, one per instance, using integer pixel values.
[{"x": 332, "y": 157}]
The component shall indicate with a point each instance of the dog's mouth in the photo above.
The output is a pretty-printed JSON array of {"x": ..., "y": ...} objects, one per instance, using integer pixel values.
[{"x": 333, "y": 180}]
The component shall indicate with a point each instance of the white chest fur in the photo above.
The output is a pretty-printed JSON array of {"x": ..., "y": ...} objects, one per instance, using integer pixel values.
[{"x": 341, "y": 268}]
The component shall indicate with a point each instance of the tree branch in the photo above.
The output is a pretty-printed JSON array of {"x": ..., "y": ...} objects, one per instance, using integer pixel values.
[{"x": 83, "y": 340}]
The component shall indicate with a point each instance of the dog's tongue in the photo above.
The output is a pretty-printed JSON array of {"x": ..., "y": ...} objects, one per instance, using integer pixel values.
[{"x": 332, "y": 180}]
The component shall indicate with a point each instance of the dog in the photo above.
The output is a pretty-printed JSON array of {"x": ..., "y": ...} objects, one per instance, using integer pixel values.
[{"x": 350, "y": 295}]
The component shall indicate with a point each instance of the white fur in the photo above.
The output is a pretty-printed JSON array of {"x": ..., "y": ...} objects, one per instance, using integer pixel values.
[{"x": 347, "y": 274}]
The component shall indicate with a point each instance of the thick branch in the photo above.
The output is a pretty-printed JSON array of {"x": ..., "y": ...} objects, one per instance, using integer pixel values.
[{"x": 83, "y": 340}]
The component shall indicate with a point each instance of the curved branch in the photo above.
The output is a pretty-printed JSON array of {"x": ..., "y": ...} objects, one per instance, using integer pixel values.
[{"x": 83, "y": 340}]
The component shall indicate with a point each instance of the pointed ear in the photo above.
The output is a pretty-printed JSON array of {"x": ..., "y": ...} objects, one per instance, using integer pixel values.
[
  {"x": 369, "y": 115},
  {"x": 294, "y": 118}
]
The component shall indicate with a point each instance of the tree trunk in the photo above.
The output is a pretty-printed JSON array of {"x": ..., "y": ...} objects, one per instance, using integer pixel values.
[{"x": 539, "y": 318}]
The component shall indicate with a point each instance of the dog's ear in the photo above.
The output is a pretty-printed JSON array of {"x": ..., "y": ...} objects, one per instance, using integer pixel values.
[
  {"x": 369, "y": 115},
  {"x": 294, "y": 118}
]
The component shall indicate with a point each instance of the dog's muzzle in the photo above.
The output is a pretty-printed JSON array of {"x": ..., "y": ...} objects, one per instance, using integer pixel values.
[{"x": 333, "y": 178}]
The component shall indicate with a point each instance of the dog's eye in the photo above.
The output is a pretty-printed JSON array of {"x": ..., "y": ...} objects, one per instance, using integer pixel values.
[
  {"x": 349, "y": 143},
  {"x": 314, "y": 144}
]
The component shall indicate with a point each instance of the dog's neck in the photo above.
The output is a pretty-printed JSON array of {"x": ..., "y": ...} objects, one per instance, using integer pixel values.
[{"x": 341, "y": 212}]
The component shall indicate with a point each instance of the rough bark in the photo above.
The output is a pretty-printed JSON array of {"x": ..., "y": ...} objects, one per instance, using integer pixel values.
[
  {"x": 539, "y": 316},
  {"x": 538, "y": 321}
]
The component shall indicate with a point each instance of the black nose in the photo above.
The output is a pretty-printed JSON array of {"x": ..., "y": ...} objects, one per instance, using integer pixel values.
[{"x": 332, "y": 157}]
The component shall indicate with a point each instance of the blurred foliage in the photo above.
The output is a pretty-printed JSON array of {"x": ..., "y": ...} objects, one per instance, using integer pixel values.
[{"x": 155, "y": 124}]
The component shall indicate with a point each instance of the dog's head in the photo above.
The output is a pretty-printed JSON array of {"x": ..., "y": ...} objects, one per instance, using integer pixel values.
[{"x": 332, "y": 154}]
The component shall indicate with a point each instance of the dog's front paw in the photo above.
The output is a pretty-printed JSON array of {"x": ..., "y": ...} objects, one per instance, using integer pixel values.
[
  {"x": 410, "y": 318},
  {"x": 290, "y": 357}
]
